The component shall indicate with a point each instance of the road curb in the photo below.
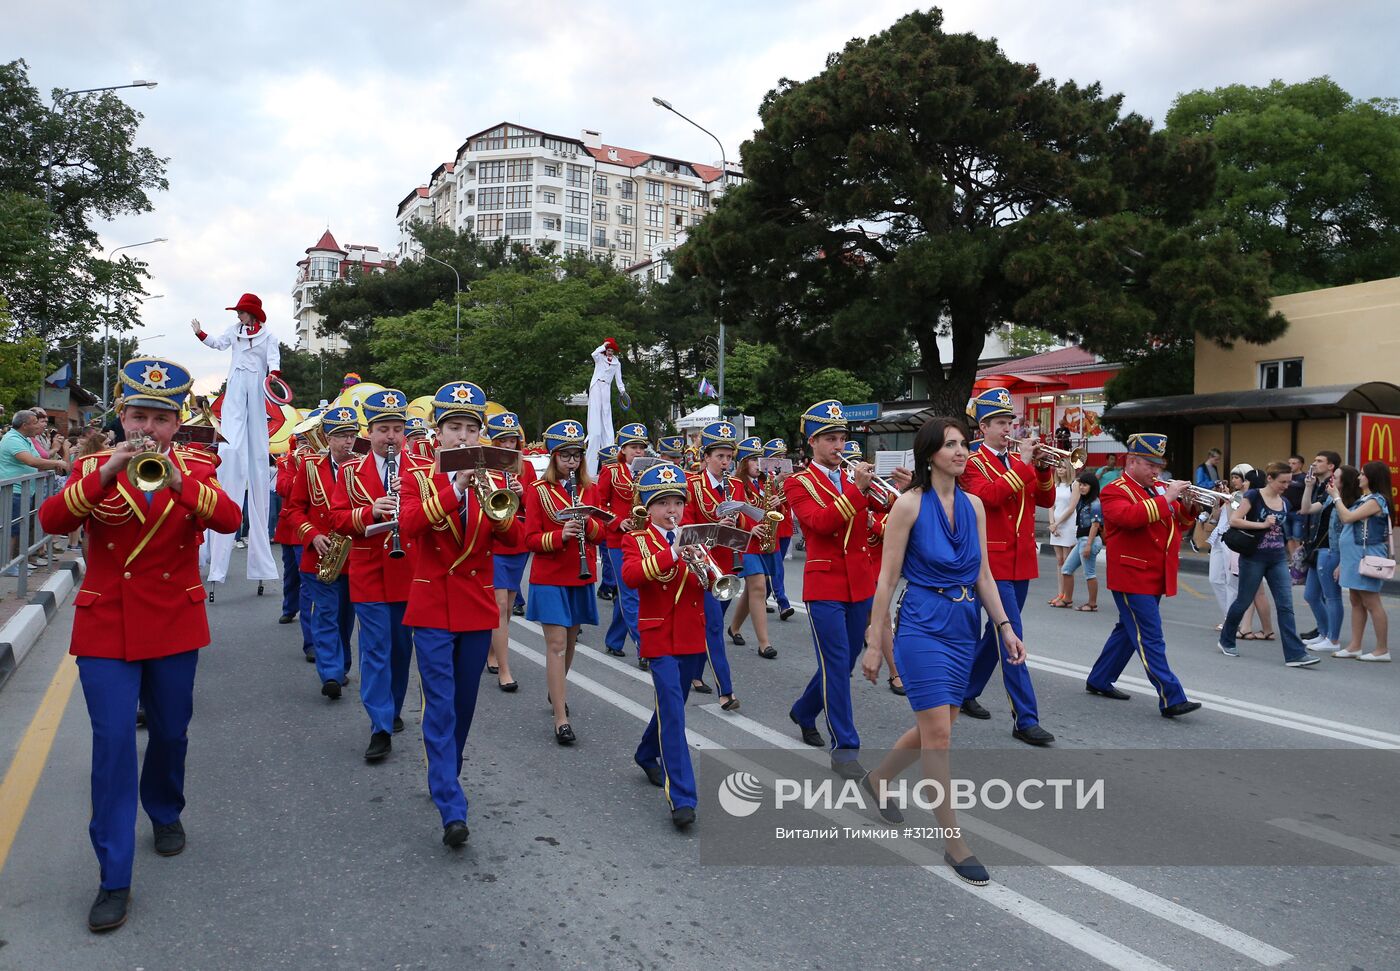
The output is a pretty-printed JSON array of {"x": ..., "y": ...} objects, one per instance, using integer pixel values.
[{"x": 24, "y": 629}]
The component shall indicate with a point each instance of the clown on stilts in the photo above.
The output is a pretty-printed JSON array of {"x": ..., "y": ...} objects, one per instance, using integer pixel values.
[{"x": 243, "y": 453}]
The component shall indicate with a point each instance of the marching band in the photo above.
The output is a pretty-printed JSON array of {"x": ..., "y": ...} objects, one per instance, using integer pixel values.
[{"x": 422, "y": 530}]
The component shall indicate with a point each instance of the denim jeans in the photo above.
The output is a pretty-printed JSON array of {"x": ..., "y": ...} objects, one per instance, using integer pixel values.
[
  {"x": 1329, "y": 595},
  {"x": 1080, "y": 554},
  {"x": 1254, "y": 571}
]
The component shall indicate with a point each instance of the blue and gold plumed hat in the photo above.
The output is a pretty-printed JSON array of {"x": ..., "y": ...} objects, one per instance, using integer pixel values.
[
  {"x": 505, "y": 424},
  {"x": 339, "y": 418},
  {"x": 152, "y": 383},
  {"x": 1148, "y": 445},
  {"x": 663, "y": 479},
  {"x": 775, "y": 448},
  {"x": 671, "y": 445},
  {"x": 389, "y": 404},
  {"x": 992, "y": 403},
  {"x": 853, "y": 451},
  {"x": 414, "y": 426},
  {"x": 564, "y": 434},
  {"x": 633, "y": 433},
  {"x": 749, "y": 448},
  {"x": 459, "y": 399},
  {"x": 824, "y": 416},
  {"x": 718, "y": 434},
  {"x": 607, "y": 453}
]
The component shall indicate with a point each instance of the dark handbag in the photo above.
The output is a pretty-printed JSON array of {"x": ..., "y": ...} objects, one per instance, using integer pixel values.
[{"x": 1246, "y": 542}]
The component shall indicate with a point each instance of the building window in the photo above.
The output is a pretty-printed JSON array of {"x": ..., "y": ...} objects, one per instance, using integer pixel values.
[
  {"x": 550, "y": 223},
  {"x": 551, "y": 170},
  {"x": 576, "y": 174},
  {"x": 624, "y": 215},
  {"x": 653, "y": 239},
  {"x": 487, "y": 199},
  {"x": 677, "y": 218},
  {"x": 627, "y": 190},
  {"x": 488, "y": 226},
  {"x": 519, "y": 170},
  {"x": 576, "y": 201},
  {"x": 680, "y": 195},
  {"x": 324, "y": 268},
  {"x": 600, "y": 210},
  {"x": 491, "y": 172},
  {"x": 699, "y": 199},
  {"x": 517, "y": 224},
  {"x": 1281, "y": 374},
  {"x": 576, "y": 229},
  {"x": 695, "y": 218},
  {"x": 655, "y": 190},
  {"x": 624, "y": 238},
  {"x": 600, "y": 236},
  {"x": 549, "y": 197},
  {"x": 517, "y": 196},
  {"x": 653, "y": 215},
  {"x": 600, "y": 185}
]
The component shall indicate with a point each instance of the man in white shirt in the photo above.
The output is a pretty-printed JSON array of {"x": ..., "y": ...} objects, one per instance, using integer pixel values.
[{"x": 607, "y": 371}]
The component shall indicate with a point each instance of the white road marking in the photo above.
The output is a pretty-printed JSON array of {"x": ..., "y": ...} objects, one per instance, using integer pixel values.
[{"x": 1351, "y": 844}]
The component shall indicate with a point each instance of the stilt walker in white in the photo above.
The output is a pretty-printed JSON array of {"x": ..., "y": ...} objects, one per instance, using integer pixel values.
[
  {"x": 607, "y": 370},
  {"x": 243, "y": 424}
]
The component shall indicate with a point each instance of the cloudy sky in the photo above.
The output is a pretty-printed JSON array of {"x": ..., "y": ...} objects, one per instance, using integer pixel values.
[{"x": 281, "y": 119}]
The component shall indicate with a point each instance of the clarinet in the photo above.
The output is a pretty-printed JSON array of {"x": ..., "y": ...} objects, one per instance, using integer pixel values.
[
  {"x": 738, "y": 559},
  {"x": 391, "y": 470},
  {"x": 583, "y": 572}
]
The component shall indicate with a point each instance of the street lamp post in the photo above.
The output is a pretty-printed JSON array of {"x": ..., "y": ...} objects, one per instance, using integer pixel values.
[
  {"x": 724, "y": 179},
  {"x": 106, "y": 320},
  {"x": 109, "y": 87},
  {"x": 456, "y": 299}
]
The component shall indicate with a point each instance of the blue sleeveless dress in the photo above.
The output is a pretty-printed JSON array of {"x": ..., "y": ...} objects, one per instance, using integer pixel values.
[{"x": 937, "y": 628}]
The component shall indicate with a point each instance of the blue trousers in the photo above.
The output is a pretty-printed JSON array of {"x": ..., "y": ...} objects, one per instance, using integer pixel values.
[
  {"x": 112, "y": 688},
  {"x": 838, "y": 634},
  {"x": 715, "y": 611},
  {"x": 1138, "y": 631},
  {"x": 1016, "y": 678},
  {"x": 449, "y": 668},
  {"x": 291, "y": 579},
  {"x": 386, "y": 651},
  {"x": 1329, "y": 592},
  {"x": 777, "y": 579},
  {"x": 610, "y": 571},
  {"x": 1254, "y": 571},
  {"x": 664, "y": 738},
  {"x": 331, "y": 617},
  {"x": 624, "y": 614}
]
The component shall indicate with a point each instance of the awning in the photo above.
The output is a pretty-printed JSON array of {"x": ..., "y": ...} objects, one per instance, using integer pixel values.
[
  {"x": 1019, "y": 383},
  {"x": 898, "y": 420},
  {"x": 1274, "y": 404}
]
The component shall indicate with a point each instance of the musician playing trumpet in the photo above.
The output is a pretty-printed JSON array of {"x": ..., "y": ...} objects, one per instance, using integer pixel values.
[
  {"x": 615, "y": 493},
  {"x": 760, "y": 555},
  {"x": 509, "y": 559}
]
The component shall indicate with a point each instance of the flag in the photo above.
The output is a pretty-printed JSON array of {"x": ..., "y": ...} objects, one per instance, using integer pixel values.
[
  {"x": 707, "y": 389},
  {"x": 61, "y": 377}
]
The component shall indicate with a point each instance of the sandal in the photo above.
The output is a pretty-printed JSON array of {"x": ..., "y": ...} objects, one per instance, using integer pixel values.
[
  {"x": 1058, "y": 601},
  {"x": 1249, "y": 635},
  {"x": 1266, "y": 637},
  {"x": 1064, "y": 604},
  {"x": 1087, "y": 608}
]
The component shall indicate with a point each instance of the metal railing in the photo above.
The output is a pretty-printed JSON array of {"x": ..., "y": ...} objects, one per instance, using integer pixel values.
[{"x": 20, "y": 499}]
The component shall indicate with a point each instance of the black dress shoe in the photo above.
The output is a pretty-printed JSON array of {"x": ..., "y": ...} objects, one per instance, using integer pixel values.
[
  {"x": 518, "y": 610},
  {"x": 972, "y": 709},
  {"x": 1035, "y": 735},
  {"x": 1109, "y": 692},
  {"x": 509, "y": 687},
  {"x": 398, "y": 725},
  {"x": 605, "y": 593},
  {"x": 970, "y": 870},
  {"x": 768, "y": 651},
  {"x": 310, "y": 656},
  {"x": 170, "y": 839},
  {"x": 380, "y": 745},
  {"x": 786, "y": 612},
  {"x": 286, "y": 618},
  {"x": 1309, "y": 635},
  {"x": 564, "y": 734},
  {"x": 109, "y": 910},
  {"x": 731, "y": 705},
  {"x": 682, "y": 816},
  {"x": 654, "y": 775},
  {"x": 140, "y": 716},
  {"x": 455, "y": 833},
  {"x": 897, "y": 688},
  {"x": 702, "y": 689},
  {"x": 492, "y": 669},
  {"x": 809, "y": 735},
  {"x": 644, "y": 663},
  {"x": 848, "y": 769},
  {"x": 1180, "y": 708},
  {"x": 331, "y": 689},
  {"x": 889, "y": 813},
  {"x": 768, "y": 608},
  {"x": 735, "y": 637},
  {"x": 614, "y": 653}
]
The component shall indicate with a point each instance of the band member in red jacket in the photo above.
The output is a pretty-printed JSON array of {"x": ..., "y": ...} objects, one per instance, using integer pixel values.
[
  {"x": 616, "y": 494},
  {"x": 838, "y": 582},
  {"x": 416, "y": 439},
  {"x": 138, "y": 619},
  {"x": 287, "y": 465},
  {"x": 329, "y": 611},
  {"x": 672, "y": 623},
  {"x": 1010, "y": 490},
  {"x": 1143, "y": 522},
  {"x": 561, "y": 576},
  {"x": 367, "y": 494},
  {"x": 776, "y": 448},
  {"x": 758, "y": 566},
  {"x": 451, "y": 605},
  {"x": 508, "y": 562}
]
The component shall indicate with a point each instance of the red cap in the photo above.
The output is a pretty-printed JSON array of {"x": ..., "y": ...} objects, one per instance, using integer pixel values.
[
  {"x": 609, "y": 342},
  {"x": 252, "y": 305}
]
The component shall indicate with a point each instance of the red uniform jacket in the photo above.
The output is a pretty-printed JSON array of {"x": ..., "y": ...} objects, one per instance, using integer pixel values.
[
  {"x": 141, "y": 597},
  {"x": 614, "y": 492},
  {"x": 1010, "y": 497},
  {"x": 374, "y": 577},
  {"x": 784, "y": 527},
  {"x": 423, "y": 448},
  {"x": 308, "y": 509},
  {"x": 511, "y": 548},
  {"x": 834, "y": 523},
  {"x": 703, "y": 499},
  {"x": 1142, "y": 534},
  {"x": 671, "y": 605},
  {"x": 556, "y": 562},
  {"x": 452, "y": 575},
  {"x": 288, "y": 465}
]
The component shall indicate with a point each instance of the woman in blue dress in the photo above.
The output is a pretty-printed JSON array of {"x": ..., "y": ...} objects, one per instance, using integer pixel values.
[
  {"x": 936, "y": 536},
  {"x": 1365, "y": 531}
]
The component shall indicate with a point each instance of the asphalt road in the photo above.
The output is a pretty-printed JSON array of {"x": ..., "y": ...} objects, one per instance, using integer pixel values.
[{"x": 301, "y": 855}]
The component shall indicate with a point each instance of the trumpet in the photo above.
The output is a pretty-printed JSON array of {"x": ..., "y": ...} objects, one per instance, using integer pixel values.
[
  {"x": 1047, "y": 456},
  {"x": 149, "y": 470},
  {"x": 1208, "y": 498},
  {"x": 883, "y": 488},
  {"x": 498, "y": 504}
]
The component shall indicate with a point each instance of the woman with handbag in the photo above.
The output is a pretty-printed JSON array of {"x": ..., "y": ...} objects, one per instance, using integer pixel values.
[
  {"x": 1367, "y": 558},
  {"x": 1256, "y": 533},
  {"x": 1225, "y": 562},
  {"x": 1320, "y": 552}
]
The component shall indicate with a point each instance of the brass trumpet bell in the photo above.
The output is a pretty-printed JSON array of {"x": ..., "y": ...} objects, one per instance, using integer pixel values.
[
  {"x": 726, "y": 587},
  {"x": 149, "y": 471},
  {"x": 500, "y": 505}
]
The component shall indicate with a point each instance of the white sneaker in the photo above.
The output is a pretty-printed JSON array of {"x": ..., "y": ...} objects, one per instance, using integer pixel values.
[
  {"x": 1322, "y": 644},
  {"x": 1373, "y": 656},
  {"x": 1314, "y": 641},
  {"x": 240, "y": 545}
]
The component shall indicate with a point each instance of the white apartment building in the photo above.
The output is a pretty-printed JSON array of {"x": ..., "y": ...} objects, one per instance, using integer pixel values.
[
  {"x": 325, "y": 263},
  {"x": 580, "y": 193}
]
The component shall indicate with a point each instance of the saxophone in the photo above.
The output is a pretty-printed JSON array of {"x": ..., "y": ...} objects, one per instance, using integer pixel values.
[
  {"x": 768, "y": 542},
  {"x": 333, "y": 559}
]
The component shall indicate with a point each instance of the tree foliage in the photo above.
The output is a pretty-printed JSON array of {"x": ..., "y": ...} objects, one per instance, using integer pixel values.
[
  {"x": 925, "y": 180},
  {"x": 1309, "y": 177}
]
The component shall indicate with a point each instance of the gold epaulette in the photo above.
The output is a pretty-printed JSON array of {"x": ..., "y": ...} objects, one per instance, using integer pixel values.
[{"x": 94, "y": 461}]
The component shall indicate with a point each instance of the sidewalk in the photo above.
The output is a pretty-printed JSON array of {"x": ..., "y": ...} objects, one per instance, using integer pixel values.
[{"x": 23, "y": 621}]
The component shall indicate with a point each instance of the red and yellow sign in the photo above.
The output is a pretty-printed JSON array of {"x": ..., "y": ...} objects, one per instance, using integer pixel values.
[{"x": 1376, "y": 440}]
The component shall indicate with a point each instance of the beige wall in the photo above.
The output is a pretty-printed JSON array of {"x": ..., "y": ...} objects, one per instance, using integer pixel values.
[
  {"x": 1260, "y": 443},
  {"x": 1343, "y": 334}
]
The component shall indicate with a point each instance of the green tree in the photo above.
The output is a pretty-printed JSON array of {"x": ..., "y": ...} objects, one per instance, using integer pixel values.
[
  {"x": 1021, "y": 341},
  {"x": 1309, "y": 177},
  {"x": 62, "y": 167},
  {"x": 925, "y": 180}
]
